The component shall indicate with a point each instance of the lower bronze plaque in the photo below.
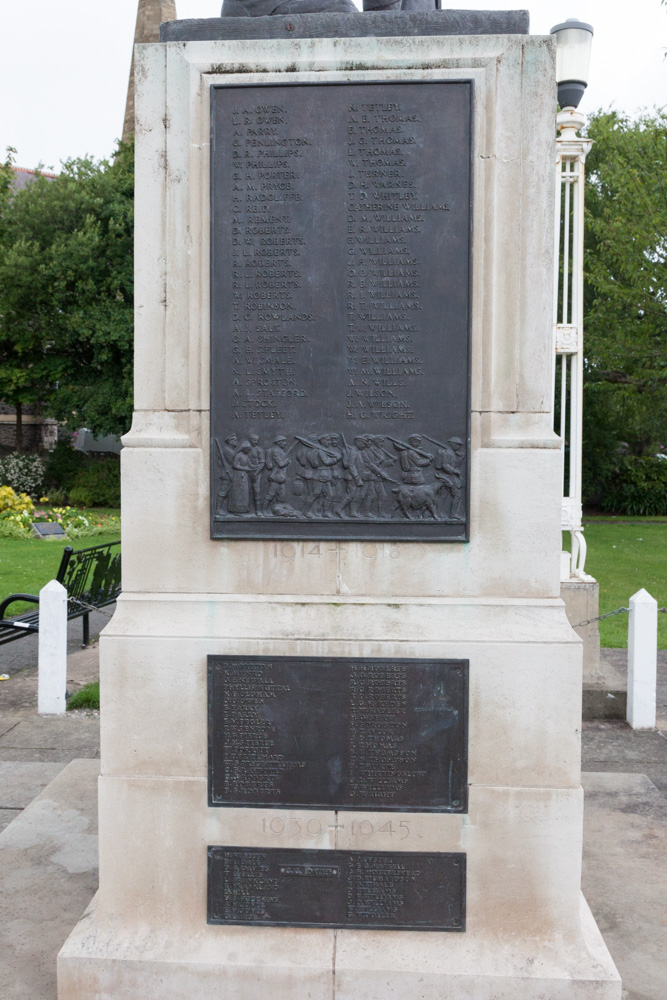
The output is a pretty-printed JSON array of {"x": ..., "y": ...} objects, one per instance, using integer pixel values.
[
  {"x": 311, "y": 732},
  {"x": 384, "y": 890}
]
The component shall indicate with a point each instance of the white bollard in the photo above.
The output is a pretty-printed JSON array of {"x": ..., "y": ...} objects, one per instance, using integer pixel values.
[
  {"x": 52, "y": 657},
  {"x": 642, "y": 660}
]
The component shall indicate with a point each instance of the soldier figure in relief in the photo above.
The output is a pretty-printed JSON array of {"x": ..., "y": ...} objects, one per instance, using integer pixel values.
[
  {"x": 412, "y": 460},
  {"x": 375, "y": 459},
  {"x": 353, "y": 466},
  {"x": 256, "y": 456},
  {"x": 323, "y": 479},
  {"x": 448, "y": 462},
  {"x": 337, "y": 472},
  {"x": 225, "y": 459},
  {"x": 239, "y": 494},
  {"x": 277, "y": 461},
  {"x": 302, "y": 487}
]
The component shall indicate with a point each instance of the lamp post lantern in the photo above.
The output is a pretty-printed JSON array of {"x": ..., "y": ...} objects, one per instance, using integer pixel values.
[{"x": 573, "y": 55}]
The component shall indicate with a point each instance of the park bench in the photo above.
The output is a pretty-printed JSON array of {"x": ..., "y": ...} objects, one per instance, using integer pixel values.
[{"x": 91, "y": 578}]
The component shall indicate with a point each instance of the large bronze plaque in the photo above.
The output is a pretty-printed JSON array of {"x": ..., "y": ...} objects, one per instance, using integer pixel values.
[
  {"x": 340, "y": 310},
  {"x": 372, "y": 734},
  {"x": 385, "y": 890}
]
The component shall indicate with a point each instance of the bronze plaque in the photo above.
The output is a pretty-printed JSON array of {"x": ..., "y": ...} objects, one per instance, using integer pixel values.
[
  {"x": 383, "y": 890},
  {"x": 322, "y": 733},
  {"x": 340, "y": 310}
]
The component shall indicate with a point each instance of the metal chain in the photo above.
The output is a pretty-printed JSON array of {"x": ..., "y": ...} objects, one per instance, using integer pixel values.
[
  {"x": 609, "y": 614},
  {"x": 663, "y": 610},
  {"x": 91, "y": 607}
]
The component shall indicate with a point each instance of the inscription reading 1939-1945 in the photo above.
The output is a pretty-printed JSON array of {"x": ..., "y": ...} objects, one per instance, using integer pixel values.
[
  {"x": 386, "y": 890},
  {"x": 340, "y": 310},
  {"x": 378, "y": 734}
]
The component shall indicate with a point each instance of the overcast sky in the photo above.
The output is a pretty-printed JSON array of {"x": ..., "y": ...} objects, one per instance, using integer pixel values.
[{"x": 65, "y": 65}]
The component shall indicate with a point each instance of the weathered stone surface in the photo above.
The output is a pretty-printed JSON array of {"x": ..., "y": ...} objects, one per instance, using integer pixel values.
[
  {"x": 582, "y": 603},
  {"x": 494, "y": 601}
]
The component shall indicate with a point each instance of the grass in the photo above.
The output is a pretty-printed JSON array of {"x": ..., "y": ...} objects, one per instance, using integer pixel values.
[
  {"x": 26, "y": 564},
  {"x": 86, "y": 697},
  {"x": 624, "y": 555}
]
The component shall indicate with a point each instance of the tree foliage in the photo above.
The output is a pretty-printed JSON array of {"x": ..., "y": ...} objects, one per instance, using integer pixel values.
[
  {"x": 66, "y": 294},
  {"x": 625, "y": 324}
]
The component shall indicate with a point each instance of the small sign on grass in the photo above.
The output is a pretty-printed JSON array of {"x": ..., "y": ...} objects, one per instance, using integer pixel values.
[{"x": 47, "y": 530}]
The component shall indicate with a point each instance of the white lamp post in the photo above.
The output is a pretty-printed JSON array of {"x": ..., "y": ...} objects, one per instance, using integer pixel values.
[{"x": 573, "y": 45}]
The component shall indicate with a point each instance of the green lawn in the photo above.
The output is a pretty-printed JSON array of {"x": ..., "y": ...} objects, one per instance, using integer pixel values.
[
  {"x": 27, "y": 564},
  {"x": 625, "y": 554}
]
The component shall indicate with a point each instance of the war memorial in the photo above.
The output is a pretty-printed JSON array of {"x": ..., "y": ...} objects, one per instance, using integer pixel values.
[{"x": 342, "y": 700}]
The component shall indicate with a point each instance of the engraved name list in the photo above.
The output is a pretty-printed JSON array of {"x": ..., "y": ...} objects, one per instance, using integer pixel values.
[{"x": 340, "y": 310}]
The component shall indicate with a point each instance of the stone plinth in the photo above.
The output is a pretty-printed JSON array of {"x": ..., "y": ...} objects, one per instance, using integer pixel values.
[
  {"x": 494, "y": 601},
  {"x": 582, "y": 603}
]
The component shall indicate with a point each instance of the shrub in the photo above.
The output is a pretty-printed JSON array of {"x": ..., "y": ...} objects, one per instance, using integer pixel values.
[
  {"x": 637, "y": 487},
  {"x": 57, "y": 497},
  {"x": 24, "y": 473},
  {"x": 16, "y": 503},
  {"x": 62, "y": 467},
  {"x": 97, "y": 484},
  {"x": 16, "y": 513}
]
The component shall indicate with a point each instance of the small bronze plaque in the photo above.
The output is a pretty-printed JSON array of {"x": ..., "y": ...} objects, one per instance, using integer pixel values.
[
  {"x": 340, "y": 310},
  {"x": 383, "y": 890},
  {"x": 321, "y": 733}
]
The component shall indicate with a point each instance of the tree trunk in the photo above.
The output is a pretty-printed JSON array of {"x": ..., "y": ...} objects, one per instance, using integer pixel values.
[{"x": 19, "y": 427}]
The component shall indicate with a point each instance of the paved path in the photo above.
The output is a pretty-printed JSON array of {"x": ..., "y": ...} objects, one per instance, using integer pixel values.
[
  {"x": 48, "y": 866},
  {"x": 33, "y": 748}
]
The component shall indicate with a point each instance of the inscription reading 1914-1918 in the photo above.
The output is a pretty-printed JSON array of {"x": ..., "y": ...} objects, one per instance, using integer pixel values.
[
  {"x": 386, "y": 890},
  {"x": 340, "y": 312},
  {"x": 378, "y": 734}
]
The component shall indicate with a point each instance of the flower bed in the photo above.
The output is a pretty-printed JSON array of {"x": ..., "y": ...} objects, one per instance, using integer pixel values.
[{"x": 18, "y": 513}]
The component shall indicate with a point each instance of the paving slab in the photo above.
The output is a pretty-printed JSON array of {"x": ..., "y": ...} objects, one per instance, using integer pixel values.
[
  {"x": 606, "y": 688},
  {"x": 625, "y": 876},
  {"x": 20, "y": 781},
  {"x": 53, "y": 732},
  {"x": 6, "y": 817},
  {"x": 609, "y": 745},
  {"x": 48, "y": 875}
]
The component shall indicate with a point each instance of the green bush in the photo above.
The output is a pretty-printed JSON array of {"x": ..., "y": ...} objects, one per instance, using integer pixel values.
[
  {"x": 24, "y": 473},
  {"x": 72, "y": 477},
  {"x": 62, "y": 467},
  {"x": 636, "y": 486},
  {"x": 97, "y": 484}
]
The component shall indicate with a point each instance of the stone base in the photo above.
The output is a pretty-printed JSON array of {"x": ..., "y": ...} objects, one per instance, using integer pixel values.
[
  {"x": 582, "y": 602},
  {"x": 243, "y": 963}
]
